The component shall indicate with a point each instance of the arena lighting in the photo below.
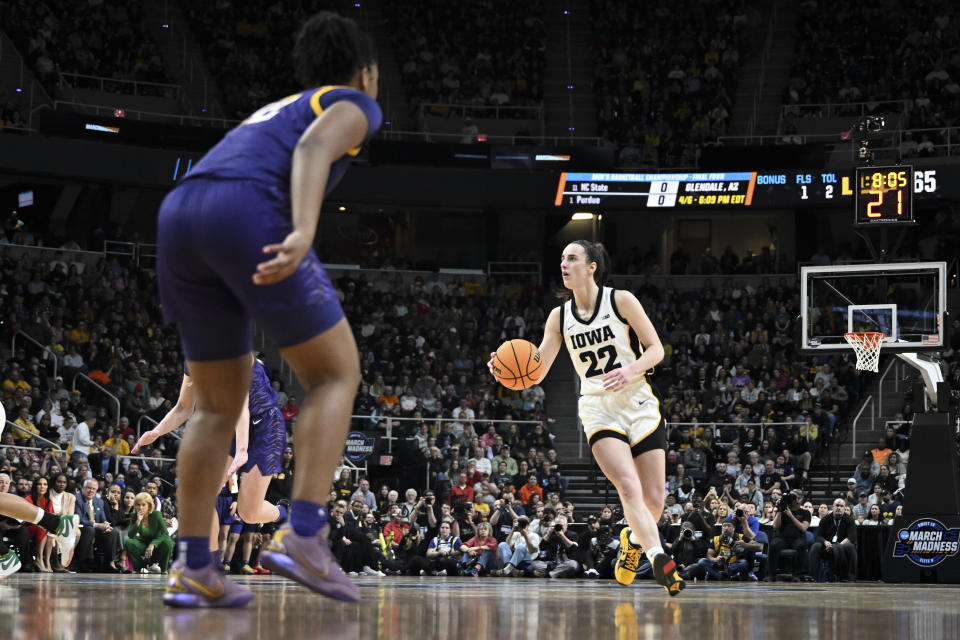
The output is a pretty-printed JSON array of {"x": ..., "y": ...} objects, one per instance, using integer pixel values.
[
  {"x": 341, "y": 208},
  {"x": 583, "y": 215}
]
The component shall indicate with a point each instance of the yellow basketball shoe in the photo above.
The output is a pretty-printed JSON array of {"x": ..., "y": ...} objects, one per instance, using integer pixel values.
[
  {"x": 629, "y": 560},
  {"x": 665, "y": 573}
]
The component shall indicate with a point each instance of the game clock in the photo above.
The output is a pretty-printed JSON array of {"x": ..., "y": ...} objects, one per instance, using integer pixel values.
[{"x": 883, "y": 195}]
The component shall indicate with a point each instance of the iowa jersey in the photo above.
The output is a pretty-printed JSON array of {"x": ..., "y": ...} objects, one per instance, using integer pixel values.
[
  {"x": 261, "y": 147},
  {"x": 599, "y": 344}
]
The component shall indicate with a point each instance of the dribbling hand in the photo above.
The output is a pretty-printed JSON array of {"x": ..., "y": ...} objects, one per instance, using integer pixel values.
[
  {"x": 490, "y": 362},
  {"x": 289, "y": 255}
]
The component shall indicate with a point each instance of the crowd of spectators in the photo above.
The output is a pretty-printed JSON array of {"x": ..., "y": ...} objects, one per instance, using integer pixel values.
[
  {"x": 665, "y": 86},
  {"x": 470, "y": 53},
  {"x": 252, "y": 40},
  {"x": 750, "y": 416},
  {"x": 880, "y": 54},
  {"x": 106, "y": 38}
]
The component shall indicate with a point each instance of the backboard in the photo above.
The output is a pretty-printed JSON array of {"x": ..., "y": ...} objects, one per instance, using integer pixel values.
[{"x": 907, "y": 301}]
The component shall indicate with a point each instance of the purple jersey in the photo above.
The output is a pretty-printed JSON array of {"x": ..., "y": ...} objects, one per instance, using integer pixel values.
[
  {"x": 261, "y": 147},
  {"x": 262, "y": 396}
]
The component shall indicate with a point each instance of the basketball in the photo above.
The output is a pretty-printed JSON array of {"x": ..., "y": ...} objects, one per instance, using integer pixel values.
[{"x": 516, "y": 363}]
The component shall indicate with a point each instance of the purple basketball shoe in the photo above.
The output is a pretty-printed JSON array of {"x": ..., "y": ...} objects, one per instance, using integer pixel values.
[
  {"x": 310, "y": 562},
  {"x": 203, "y": 588}
]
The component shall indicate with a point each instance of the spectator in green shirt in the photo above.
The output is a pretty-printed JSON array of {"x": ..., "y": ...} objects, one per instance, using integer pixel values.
[{"x": 148, "y": 546}]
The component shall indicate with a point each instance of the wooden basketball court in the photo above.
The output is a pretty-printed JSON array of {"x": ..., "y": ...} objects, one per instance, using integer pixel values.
[{"x": 99, "y": 607}]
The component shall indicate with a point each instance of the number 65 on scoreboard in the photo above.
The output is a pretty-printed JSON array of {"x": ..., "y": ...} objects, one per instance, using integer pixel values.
[{"x": 883, "y": 195}]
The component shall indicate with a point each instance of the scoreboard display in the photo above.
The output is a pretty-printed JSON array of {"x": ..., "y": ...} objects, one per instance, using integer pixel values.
[
  {"x": 892, "y": 200},
  {"x": 884, "y": 195},
  {"x": 656, "y": 189}
]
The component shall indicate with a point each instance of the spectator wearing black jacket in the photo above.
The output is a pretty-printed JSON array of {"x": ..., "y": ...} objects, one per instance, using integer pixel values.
[
  {"x": 597, "y": 549},
  {"x": 836, "y": 542},
  {"x": 558, "y": 552},
  {"x": 348, "y": 542},
  {"x": 790, "y": 522}
]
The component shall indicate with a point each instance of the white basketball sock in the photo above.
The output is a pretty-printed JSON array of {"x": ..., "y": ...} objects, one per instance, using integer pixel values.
[{"x": 653, "y": 552}]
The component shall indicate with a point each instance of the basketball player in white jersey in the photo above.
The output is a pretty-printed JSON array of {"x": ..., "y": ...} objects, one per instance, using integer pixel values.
[
  {"x": 613, "y": 344},
  {"x": 63, "y": 527}
]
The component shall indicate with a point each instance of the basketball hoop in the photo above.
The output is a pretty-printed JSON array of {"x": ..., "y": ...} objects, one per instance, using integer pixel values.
[{"x": 866, "y": 344}]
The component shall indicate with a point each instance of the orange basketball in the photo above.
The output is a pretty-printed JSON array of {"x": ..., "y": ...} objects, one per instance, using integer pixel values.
[{"x": 516, "y": 363}]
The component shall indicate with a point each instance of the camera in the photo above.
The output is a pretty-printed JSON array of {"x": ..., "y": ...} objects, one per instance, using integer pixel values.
[
  {"x": 786, "y": 502},
  {"x": 726, "y": 540},
  {"x": 558, "y": 528},
  {"x": 739, "y": 513},
  {"x": 688, "y": 534},
  {"x": 604, "y": 535},
  {"x": 873, "y": 124}
]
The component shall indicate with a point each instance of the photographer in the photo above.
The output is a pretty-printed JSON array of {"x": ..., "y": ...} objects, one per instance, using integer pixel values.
[
  {"x": 465, "y": 521},
  {"x": 744, "y": 523},
  {"x": 504, "y": 514},
  {"x": 687, "y": 550},
  {"x": 519, "y": 549},
  {"x": 727, "y": 557},
  {"x": 790, "y": 522},
  {"x": 423, "y": 515},
  {"x": 543, "y": 524},
  {"x": 598, "y": 549},
  {"x": 410, "y": 553},
  {"x": 700, "y": 517},
  {"x": 836, "y": 541},
  {"x": 557, "y": 553}
]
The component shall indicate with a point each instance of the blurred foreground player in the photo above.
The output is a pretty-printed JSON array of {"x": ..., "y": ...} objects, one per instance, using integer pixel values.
[
  {"x": 63, "y": 527},
  {"x": 257, "y": 192}
]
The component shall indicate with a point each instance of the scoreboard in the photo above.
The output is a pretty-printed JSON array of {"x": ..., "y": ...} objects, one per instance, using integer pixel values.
[
  {"x": 788, "y": 189},
  {"x": 884, "y": 195}
]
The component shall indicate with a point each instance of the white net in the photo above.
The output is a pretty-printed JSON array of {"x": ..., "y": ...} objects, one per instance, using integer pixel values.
[{"x": 867, "y": 347}]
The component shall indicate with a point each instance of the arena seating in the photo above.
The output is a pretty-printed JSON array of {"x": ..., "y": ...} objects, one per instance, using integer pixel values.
[
  {"x": 105, "y": 38},
  {"x": 246, "y": 39},
  {"x": 914, "y": 75},
  {"x": 470, "y": 53},
  {"x": 665, "y": 86}
]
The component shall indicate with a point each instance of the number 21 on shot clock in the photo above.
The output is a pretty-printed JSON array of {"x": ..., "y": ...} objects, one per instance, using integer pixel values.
[{"x": 884, "y": 195}]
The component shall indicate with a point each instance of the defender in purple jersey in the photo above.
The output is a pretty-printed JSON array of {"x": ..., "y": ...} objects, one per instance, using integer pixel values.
[
  {"x": 256, "y": 453},
  {"x": 235, "y": 245}
]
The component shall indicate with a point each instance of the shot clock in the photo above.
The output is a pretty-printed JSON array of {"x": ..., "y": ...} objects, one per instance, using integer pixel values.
[{"x": 883, "y": 195}]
